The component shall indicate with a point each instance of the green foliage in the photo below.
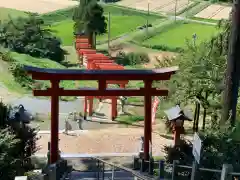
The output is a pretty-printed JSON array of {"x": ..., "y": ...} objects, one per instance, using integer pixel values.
[
  {"x": 64, "y": 29},
  {"x": 130, "y": 119},
  {"x": 57, "y": 16},
  {"x": 8, "y": 165},
  {"x": 218, "y": 148},
  {"x": 132, "y": 58},
  {"x": 164, "y": 48},
  {"x": 88, "y": 17},
  {"x": 175, "y": 35},
  {"x": 30, "y": 36},
  {"x": 13, "y": 13},
  {"x": 20, "y": 75},
  {"x": 67, "y": 14},
  {"x": 110, "y": 1},
  {"x": 17, "y": 144}
]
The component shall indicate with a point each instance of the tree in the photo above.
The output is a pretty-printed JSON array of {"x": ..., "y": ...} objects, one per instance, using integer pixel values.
[
  {"x": 230, "y": 97},
  {"x": 89, "y": 17},
  {"x": 29, "y": 35},
  {"x": 201, "y": 72}
]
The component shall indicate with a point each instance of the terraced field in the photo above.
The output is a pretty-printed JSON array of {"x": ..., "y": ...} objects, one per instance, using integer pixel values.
[
  {"x": 215, "y": 11},
  {"x": 161, "y": 6},
  {"x": 37, "y": 6}
]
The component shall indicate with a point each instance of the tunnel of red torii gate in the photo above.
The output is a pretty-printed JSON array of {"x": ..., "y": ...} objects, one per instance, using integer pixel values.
[{"x": 102, "y": 76}]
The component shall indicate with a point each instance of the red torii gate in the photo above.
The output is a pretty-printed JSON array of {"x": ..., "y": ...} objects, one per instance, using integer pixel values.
[
  {"x": 56, "y": 75},
  {"x": 105, "y": 66}
]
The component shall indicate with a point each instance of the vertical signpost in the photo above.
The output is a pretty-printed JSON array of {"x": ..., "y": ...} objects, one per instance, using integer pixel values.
[{"x": 197, "y": 146}]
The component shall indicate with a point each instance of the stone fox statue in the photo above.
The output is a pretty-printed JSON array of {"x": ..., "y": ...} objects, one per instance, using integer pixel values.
[{"x": 68, "y": 126}]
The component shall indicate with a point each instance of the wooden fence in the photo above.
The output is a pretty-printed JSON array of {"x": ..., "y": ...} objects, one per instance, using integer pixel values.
[{"x": 226, "y": 173}]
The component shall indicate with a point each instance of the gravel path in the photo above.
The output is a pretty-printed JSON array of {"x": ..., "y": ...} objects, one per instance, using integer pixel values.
[{"x": 114, "y": 140}]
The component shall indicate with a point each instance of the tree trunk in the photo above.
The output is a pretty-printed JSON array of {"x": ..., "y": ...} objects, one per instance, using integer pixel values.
[
  {"x": 230, "y": 94},
  {"x": 90, "y": 37},
  {"x": 92, "y": 40},
  {"x": 197, "y": 116},
  {"x": 204, "y": 113}
]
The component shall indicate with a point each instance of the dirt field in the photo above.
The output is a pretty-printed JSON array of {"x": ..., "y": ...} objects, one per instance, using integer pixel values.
[
  {"x": 37, "y": 6},
  {"x": 153, "y": 55},
  {"x": 163, "y": 6},
  {"x": 215, "y": 11}
]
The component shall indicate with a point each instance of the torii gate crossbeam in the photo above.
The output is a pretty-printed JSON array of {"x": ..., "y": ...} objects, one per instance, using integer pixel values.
[{"x": 56, "y": 75}]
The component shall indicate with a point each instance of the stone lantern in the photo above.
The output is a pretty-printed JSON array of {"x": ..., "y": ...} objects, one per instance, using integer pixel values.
[{"x": 176, "y": 117}]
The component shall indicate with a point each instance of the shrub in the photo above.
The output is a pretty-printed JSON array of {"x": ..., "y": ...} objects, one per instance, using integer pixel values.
[
  {"x": 31, "y": 36},
  {"x": 218, "y": 148},
  {"x": 131, "y": 58},
  {"x": 20, "y": 75},
  {"x": 17, "y": 145}
]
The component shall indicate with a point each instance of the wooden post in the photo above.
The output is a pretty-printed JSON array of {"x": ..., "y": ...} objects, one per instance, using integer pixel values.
[
  {"x": 174, "y": 170},
  {"x": 114, "y": 108},
  {"x": 98, "y": 169},
  {"x": 226, "y": 169},
  {"x": 85, "y": 107},
  {"x": 176, "y": 136},
  {"x": 161, "y": 170},
  {"x": 194, "y": 170},
  {"x": 103, "y": 170},
  {"x": 148, "y": 118},
  {"x": 54, "y": 121},
  {"x": 113, "y": 171},
  {"x": 91, "y": 106}
]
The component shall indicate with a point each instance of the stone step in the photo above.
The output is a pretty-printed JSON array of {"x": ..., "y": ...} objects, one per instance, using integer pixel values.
[{"x": 107, "y": 174}]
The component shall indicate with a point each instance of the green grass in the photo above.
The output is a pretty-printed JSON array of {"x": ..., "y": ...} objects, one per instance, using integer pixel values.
[
  {"x": 36, "y": 62},
  {"x": 176, "y": 36},
  {"x": 129, "y": 120},
  {"x": 67, "y": 13},
  {"x": 8, "y": 80},
  {"x": 119, "y": 26},
  {"x": 5, "y": 13},
  {"x": 205, "y": 20}
]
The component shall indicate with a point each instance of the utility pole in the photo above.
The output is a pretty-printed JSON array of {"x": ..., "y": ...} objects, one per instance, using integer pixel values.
[
  {"x": 187, "y": 8},
  {"x": 175, "y": 10},
  {"x": 230, "y": 96},
  {"x": 109, "y": 29},
  {"x": 148, "y": 16}
]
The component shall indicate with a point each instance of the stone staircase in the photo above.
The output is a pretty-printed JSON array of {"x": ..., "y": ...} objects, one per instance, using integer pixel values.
[
  {"x": 91, "y": 169},
  {"x": 118, "y": 175}
]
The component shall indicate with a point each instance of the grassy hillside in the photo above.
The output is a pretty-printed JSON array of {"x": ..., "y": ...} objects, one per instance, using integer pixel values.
[
  {"x": 5, "y": 13},
  {"x": 65, "y": 14}
]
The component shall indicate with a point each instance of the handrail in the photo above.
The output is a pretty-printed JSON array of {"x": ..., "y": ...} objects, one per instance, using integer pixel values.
[{"x": 136, "y": 174}]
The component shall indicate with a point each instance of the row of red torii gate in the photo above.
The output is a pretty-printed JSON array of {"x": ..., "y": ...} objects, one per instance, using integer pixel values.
[
  {"x": 97, "y": 61},
  {"x": 105, "y": 71}
]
